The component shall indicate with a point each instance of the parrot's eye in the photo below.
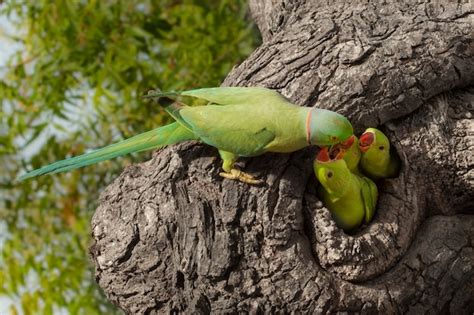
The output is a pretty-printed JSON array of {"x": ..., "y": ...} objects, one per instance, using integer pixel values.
[
  {"x": 334, "y": 138},
  {"x": 381, "y": 147},
  {"x": 329, "y": 174}
]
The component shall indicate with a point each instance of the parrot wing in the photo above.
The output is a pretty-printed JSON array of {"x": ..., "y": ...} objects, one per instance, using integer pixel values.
[
  {"x": 229, "y": 95},
  {"x": 369, "y": 197},
  {"x": 234, "y": 129}
]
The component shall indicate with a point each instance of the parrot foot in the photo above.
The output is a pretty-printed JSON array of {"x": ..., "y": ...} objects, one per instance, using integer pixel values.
[{"x": 243, "y": 177}]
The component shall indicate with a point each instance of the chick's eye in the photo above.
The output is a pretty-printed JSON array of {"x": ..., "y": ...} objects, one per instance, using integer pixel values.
[
  {"x": 329, "y": 174},
  {"x": 381, "y": 147}
]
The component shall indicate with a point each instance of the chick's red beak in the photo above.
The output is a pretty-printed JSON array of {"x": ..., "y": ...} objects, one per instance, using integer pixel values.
[
  {"x": 328, "y": 155},
  {"x": 323, "y": 155},
  {"x": 366, "y": 140}
]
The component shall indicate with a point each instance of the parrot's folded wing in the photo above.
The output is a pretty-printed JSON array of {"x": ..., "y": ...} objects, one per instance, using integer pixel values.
[
  {"x": 248, "y": 143},
  {"x": 241, "y": 142},
  {"x": 369, "y": 196},
  {"x": 236, "y": 95},
  {"x": 231, "y": 129}
]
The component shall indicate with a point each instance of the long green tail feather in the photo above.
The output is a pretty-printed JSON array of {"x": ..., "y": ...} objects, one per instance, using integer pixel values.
[{"x": 159, "y": 137}]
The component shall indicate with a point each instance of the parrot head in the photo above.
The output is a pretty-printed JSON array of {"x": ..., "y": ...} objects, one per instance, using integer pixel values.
[
  {"x": 331, "y": 171},
  {"x": 325, "y": 127},
  {"x": 373, "y": 140}
]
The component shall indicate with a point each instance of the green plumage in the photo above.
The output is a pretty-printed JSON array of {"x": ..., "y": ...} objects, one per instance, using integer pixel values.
[
  {"x": 352, "y": 156},
  {"x": 351, "y": 198},
  {"x": 351, "y": 153},
  {"x": 238, "y": 121}
]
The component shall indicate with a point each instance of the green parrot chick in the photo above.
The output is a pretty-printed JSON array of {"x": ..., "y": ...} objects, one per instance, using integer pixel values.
[
  {"x": 351, "y": 198},
  {"x": 378, "y": 160}
]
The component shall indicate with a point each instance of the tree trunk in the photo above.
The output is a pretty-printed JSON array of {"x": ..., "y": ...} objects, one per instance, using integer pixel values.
[{"x": 170, "y": 235}]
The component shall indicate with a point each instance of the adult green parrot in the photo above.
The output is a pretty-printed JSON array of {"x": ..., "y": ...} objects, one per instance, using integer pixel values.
[
  {"x": 238, "y": 121},
  {"x": 352, "y": 199},
  {"x": 352, "y": 154},
  {"x": 378, "y": 160}
]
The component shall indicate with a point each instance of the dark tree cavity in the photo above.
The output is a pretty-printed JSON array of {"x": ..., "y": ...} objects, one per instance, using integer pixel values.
[{"x": 170, "y": 235}]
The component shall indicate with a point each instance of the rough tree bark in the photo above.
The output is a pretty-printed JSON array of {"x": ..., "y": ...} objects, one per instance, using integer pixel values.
[{"x": 170, "y": 235}]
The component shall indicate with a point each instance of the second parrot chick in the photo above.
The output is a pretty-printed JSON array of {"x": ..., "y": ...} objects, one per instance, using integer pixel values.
[
  {"x": 351, "y": 198},
  {"x": 378, "y": 159}
]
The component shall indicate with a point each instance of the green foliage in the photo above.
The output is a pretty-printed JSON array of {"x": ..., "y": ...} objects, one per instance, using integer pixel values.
[{"x": 76, "y": 84}]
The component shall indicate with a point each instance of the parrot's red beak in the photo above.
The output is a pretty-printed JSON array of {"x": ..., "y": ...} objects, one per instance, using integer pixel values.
[
  {"x": 323, "y": 155},
  {"x": 366, "y": 140}
]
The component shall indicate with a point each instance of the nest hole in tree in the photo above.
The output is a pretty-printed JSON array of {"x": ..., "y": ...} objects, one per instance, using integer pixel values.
[{"x": 375, "y": 247}]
